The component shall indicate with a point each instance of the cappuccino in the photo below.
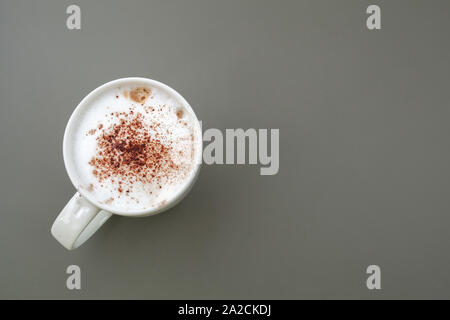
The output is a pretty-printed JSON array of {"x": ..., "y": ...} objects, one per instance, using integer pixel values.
[{"x": 135, "y": 148}]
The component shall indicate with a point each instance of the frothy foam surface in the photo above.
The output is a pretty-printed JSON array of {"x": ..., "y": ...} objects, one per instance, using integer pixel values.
[{"x": 134, "y": 148}]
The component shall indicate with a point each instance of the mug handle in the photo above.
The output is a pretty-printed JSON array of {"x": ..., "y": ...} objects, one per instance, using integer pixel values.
[{"x": 77, "y": 222}]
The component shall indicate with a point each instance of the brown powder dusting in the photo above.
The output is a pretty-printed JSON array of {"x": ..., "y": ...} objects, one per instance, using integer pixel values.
[
  {"x": 140, "y": 94},
  {"x": 132, "y": 152},
  {"x": 92, "y": 132},
  {"x": 109, "y": 200},
  {"x": 125, "y": 94},
  {"x": 162, "y": 204},
  {"x": 180, "y": 113}
]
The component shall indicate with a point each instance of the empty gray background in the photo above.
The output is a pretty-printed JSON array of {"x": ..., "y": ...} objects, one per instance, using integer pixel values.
[{"x": 364, "y": 154}]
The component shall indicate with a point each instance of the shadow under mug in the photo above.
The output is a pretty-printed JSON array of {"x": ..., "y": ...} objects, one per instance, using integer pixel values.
[{"x": 84, "y": 215}]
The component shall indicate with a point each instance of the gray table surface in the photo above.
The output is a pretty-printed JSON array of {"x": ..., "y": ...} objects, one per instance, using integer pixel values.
[{"x": 364, "y": 154}]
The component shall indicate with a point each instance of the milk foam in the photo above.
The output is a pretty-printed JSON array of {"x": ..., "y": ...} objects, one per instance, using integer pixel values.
[{"x": 174, "y": 128}]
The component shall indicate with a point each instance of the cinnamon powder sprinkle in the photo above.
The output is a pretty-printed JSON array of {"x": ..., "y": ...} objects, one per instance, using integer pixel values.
[
  {"x": 109, "y": 200},
  {"x": 131, "y": 151},
  {"x": 92, "y": 131},
  {"x": 140, "y": 94}
]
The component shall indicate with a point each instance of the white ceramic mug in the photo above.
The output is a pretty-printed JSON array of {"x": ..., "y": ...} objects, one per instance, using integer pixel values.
[{"x": 83, "y": 214}]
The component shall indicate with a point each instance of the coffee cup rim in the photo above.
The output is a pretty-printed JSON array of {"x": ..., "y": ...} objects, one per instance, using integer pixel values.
[{"x": 78, "y": 111}]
